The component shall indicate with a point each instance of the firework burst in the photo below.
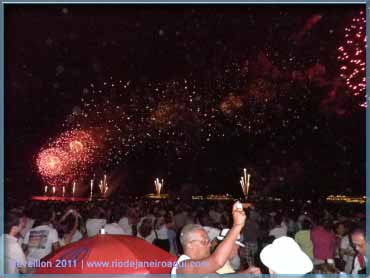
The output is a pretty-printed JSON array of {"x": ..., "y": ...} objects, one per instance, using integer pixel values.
[
  {"x": 79, "y": 144},
  {"x": 352, "y": 56},
  {"x": 231, "y": 104},
  {"x": 66, "y": 158},
  {"x": 53, "y": 166}
]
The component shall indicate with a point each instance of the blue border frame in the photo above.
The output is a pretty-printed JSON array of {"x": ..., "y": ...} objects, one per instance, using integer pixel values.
[{"x": 2, "y": 131}]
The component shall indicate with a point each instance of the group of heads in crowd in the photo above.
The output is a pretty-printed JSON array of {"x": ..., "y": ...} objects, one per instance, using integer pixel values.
[{"x": 249, "y": 241}]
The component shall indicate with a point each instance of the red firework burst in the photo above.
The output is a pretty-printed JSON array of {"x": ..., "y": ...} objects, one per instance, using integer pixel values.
[
  {"x": 52, "y": 164},
  {"x": 66, "y": 157},
  {"x": 352, "y": 57},
  {"x": 79, "y": 144}
]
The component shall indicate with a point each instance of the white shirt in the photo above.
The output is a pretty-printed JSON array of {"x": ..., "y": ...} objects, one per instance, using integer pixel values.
[
  {"x": 152, "y": 217},
  {"x": 162, "y": 232},
  {"x": 150, "y": 238},
  {"x": 77, "y": 236},
  {"x": 357, "y": 266},
  {"x": 14, "y": 255},
  {"x": 346, "y": 245},
  {"x": 179, "y": 260},
  {"x": 127, "y": 228},
  {"x": 113, "y": 229},
  {"x": 94, "y": 225},
  {"x": 40, "y": 241}
]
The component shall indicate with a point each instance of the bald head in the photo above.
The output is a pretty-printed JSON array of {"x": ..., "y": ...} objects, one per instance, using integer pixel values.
[
  {"x": 187, "y": 233},
  {"x": 359, "y": 240},
  {"x": 195, "y": 242}
]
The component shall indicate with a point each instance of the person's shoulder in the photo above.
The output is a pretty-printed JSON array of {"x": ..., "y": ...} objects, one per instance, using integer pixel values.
[
  {"x": 51, "y": 227},
  {"x": 182, "y": 258},
  {"x": 101, "y": 220},
  {"x": 30, "y": 221},
  {"x": 40, "y": 227},
  {"x": 7, "y": 237},
  {"x": 35, "y": 228},
  {"x": 179, "y": 260},
  {"x": 123, "y": 220},
  {"x": 77, "y": 235},
  {"x": 96, "y": 220},
  {"x": 53, "y": 232},
  {"x": 116, "y": 227}
]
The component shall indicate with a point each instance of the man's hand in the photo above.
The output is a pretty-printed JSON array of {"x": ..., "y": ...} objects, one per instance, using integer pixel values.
[{"x": 239, "y": 216}]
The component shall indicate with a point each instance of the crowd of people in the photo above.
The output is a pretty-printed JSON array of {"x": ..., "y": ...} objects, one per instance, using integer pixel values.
[{"x": 319, "y": 239}]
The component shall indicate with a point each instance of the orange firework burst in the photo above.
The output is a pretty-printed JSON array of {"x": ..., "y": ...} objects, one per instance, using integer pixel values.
[
  {"x": 262, "y": 91},
  {"x": 164, "y": 114},
  {"x": 231, "y": 104},
  {"x": 76, "y": 146}
]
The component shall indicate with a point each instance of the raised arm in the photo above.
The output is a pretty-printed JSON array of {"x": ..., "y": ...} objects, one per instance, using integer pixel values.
[
  {"x": 65, "y": 215},
  {"x": 220, "y": 256}
]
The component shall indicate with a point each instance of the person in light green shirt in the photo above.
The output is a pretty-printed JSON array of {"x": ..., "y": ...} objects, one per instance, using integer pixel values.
[{"x": 303, "y": 238}]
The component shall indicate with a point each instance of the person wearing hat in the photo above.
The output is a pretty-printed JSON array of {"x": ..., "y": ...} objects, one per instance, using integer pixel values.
[
  {"x": 228, "y": 267},
  {"x": 284, "y": 256}
]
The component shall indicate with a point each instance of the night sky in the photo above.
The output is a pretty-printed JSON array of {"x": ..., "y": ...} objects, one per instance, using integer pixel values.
[{"x": 190, "y": 93}]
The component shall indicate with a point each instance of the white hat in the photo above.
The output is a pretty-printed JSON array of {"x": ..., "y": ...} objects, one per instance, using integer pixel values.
[
  {"x": 284, "y": 256},
  {"x": 223, "y": 235}
]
